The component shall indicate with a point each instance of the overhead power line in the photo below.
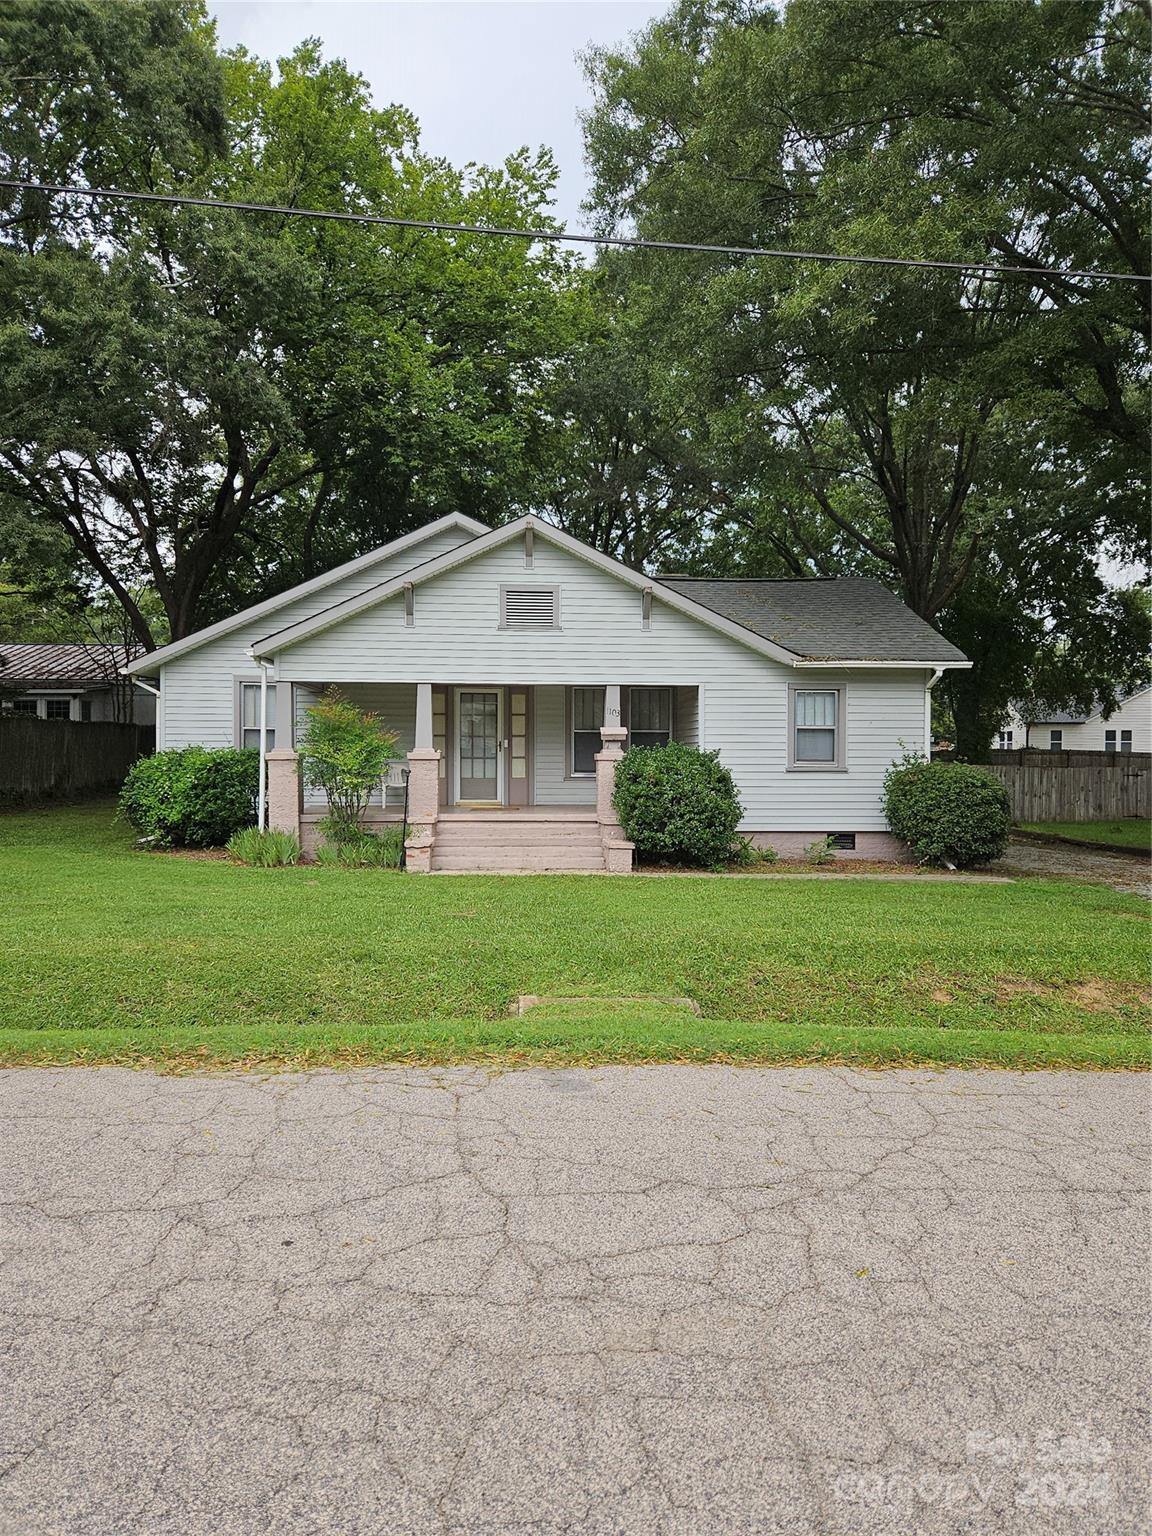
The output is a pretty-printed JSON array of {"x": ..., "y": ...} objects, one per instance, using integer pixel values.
[{"x": 567, "y": 237}]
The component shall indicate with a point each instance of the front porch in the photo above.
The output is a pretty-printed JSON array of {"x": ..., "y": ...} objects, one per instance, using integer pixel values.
[{"x": 498, "y": 777}]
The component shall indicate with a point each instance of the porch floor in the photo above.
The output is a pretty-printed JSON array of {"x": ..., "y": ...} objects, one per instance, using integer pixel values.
[{"x": 518, "y": 813}]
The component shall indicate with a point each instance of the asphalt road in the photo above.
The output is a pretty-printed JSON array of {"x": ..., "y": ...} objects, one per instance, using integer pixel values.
[{"x": 653, "y": 1300}]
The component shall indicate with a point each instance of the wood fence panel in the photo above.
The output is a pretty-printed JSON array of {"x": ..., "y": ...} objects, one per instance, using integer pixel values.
[
  {"x": 1076, "y": 786},
  {"x": 58, "y": 759}
]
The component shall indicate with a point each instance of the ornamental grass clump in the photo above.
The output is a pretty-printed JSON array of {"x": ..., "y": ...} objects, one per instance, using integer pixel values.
[
  {"x": 948, "y": 813},
  {"x": 267, "y": 849},
  {"x": 678, "y": 805},
  {"x": 344, "y": 752}
]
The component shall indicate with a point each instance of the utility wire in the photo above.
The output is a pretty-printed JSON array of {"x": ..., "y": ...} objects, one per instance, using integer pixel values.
[{"x": 566, "y": 237}]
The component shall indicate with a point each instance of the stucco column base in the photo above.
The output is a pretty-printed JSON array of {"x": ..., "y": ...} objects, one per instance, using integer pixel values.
[
  {"x": 617, "y": 849},
  {"x": 284, "y": 790},
  {"x": 418, "y": 851},
  {"x": 423, "y": 786}
]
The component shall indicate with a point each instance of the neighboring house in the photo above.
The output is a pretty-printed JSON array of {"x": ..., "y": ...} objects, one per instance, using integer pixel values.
[
  {"x": 72, "y": 682},
  {"x": 514, "y": 663},
  {"x": 1127, "y": 729}
]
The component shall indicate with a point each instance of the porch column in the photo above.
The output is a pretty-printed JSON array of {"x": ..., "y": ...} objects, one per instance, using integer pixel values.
[
  {"x": 423, "y": 786},
  {"x": 617, "y": 850},
  {"x": 284, "y": 791}
]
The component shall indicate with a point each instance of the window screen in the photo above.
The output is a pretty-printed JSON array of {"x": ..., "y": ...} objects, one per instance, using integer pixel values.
[
  {"x": 250, "y": 716},
  {"x": 649, "y": 717},
  {"x": 816, "y": 726},
  {"x": 587, "y": 718}
]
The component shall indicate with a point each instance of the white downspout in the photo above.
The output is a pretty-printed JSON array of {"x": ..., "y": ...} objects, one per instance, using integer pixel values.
[{"x": 928, "y": 687}]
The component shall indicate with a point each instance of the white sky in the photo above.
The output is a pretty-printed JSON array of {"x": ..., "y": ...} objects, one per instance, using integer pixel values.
[{"x": 484, "y": 77}]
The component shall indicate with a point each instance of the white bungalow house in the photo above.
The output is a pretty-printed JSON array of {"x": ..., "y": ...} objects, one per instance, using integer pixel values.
[
  {"x": 1128, "y": 728},
  {"x": 515, "y": 663}
]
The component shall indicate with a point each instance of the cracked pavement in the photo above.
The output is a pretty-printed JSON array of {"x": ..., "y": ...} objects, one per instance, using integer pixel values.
[{"x": 684, "y": 1300}]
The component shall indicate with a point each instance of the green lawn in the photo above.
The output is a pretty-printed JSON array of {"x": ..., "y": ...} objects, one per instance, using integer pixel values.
[
  {"x": 109, "y": 954},
  {"x": 1132, "y": 832}
]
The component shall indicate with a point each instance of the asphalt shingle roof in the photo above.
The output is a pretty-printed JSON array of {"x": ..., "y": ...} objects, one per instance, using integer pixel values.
[
  {"x": 61, "y": 665},
  {"x": 843, "y": 618}
]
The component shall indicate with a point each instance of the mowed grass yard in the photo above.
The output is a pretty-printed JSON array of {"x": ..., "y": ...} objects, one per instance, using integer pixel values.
[
  {"x": 1131, "y": 832},
  {"x": 112, "y": 954}
]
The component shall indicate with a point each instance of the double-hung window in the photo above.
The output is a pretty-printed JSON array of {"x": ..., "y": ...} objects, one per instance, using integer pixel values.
[
  {"x": 649, "y": 717},
  {"x": 1110, "y": 741},
  {"x": 250, "y": 716},
  {"x": 24, "y": 707},
  {"x": 1055, "y": 741},
  {"x": 816, "y": 728},
  {"x": 57, "y": 709},
  {"x": 1004, "y": 741},
  {"x": 587, "y": 718}
]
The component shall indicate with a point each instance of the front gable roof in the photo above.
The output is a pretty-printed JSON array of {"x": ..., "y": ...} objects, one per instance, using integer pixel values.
[
  {"x": 687, "y": 602},
  {"x": 152, "y": 660}
]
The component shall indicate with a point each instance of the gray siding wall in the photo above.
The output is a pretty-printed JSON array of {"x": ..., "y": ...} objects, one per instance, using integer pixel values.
[
  {"x": 551, "y": 787},
  {"x": 198, "y": 705},
  {"x": 743, "y": 703}
]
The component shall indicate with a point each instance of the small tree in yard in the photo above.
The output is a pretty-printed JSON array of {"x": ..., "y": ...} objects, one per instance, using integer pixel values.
[
  {"x": 344, "y": 752},
  {"x": 948, "y": 813}
]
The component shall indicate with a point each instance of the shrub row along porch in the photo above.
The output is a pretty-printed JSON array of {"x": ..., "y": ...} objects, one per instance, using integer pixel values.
[{"x": 500, "y": 777}]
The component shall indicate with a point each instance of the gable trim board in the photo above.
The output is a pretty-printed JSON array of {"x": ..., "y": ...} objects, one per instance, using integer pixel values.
[
  {"x": 152, "y": 660},
  {"x": 292, "y": 634}
]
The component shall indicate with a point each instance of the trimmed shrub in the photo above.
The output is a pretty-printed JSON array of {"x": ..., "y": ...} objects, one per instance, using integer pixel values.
[
  {"x": 948, "y": 813},
  {"x": 678, "y": 805},
  {"x": 191, "y": 798},
  {"x": 344, "y": 752},
  {"x": 270, "y": 849}
]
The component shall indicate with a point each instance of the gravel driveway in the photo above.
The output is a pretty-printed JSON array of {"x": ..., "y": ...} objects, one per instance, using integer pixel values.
[
  {"x": 654, "y": 1300},
  {"x": 1115, "y": 869}
]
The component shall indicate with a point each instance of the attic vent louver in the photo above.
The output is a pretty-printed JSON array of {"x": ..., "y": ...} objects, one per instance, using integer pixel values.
[{"x": 530, "y": 607}]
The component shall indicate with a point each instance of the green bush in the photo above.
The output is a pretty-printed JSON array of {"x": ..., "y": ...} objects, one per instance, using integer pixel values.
[
  {"x": 269, "y": 849},
  {"x": 678, "y": 805},
  {"x": 191, "y": 798},
  {"x": 820, "y": 852},
  {"x": 365, "y": 850},
  {"x": 344, "y": 752},
  {"x": 948, "y": 813}
]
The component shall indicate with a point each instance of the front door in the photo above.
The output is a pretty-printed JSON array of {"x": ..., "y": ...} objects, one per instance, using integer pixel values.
[{"x": 479, "y": 728}]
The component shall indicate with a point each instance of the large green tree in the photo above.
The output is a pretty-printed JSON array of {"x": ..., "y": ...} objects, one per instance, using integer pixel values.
[
  {"x": 218, "y": 403},
  {"x": 943, "y": 431}
]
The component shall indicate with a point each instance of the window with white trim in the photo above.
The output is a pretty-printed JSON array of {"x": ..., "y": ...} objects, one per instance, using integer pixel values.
[
  {"x": 587, "y": 709},
  {"x": 817, "y": 730},
  {"x": 1110, "y": 741},
  {"x": 250, "y": 716},
  {"x": 57, "y": 709},
  {"x": 649, "y": 717},
  {"x": 529, "y": 607},
  {"x": 1055, "y": 741},
  {"x": 1004, "y": 741},
  {"x": 24, "y": 707}
]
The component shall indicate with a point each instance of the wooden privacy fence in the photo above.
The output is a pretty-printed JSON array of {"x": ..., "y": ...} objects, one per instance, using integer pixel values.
[
  {"x": 48, "y": 759},
  {"x": 1076, "y": 786}
]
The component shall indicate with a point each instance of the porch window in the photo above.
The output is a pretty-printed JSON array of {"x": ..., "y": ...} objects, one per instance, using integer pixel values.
[
  {"x": 250, "y": 716},
  {"x": 816, "y": 734},
  {"x": 649, "y": 717},
  {"x": 587, "y": 718}
]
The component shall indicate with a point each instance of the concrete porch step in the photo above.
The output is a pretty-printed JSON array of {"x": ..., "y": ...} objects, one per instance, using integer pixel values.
[
  {"x": 497, "y": 860},
  {"x": 518, "y": 835}
]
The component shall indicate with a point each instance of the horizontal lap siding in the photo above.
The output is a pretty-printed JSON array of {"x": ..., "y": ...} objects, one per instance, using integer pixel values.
[
  {"x": 550, "y": 720},
  {"x": 395, "y": 703},
  {"x": 199, "y": 688},
  {"x": 456, "y": 635}
]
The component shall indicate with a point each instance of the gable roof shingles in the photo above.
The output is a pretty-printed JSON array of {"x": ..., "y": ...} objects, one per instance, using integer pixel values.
[{"x": 836, "y": 618}]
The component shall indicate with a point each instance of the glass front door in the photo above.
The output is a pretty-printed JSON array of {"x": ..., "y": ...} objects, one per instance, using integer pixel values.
[{"x": 478, "y": 738}]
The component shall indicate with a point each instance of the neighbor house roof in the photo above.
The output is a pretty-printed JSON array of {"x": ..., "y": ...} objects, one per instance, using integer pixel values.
[
  {"x": 843, "y": 618},
  {"x": 34, "y": 665}
]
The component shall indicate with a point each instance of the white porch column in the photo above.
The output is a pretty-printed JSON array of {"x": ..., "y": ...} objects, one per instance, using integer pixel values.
[{"x": 423, "y": 786}]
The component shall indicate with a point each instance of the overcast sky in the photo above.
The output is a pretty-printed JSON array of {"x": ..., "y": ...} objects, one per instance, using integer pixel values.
[{"x": 484, "y": 77}]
